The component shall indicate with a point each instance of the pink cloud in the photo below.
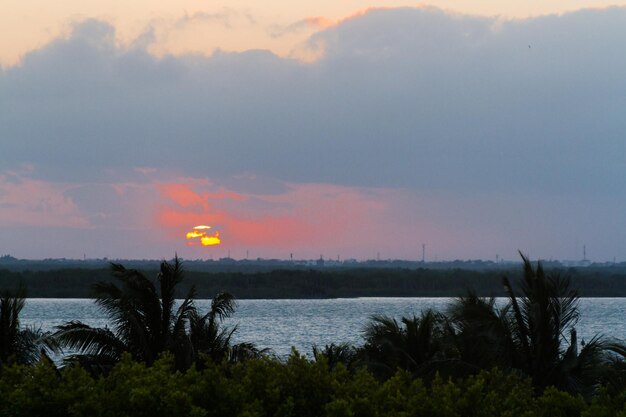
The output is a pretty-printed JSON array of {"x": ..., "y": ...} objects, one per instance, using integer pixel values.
[
  {"x": 306, "y": 218},
  {"x": 152, "y": 218},
  {"x": 29, "y": 202},
  {"x": 184, "y": 208},
  {"x": 183, "y": 195}
]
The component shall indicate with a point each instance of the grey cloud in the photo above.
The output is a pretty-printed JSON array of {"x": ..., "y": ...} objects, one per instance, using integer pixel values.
[{"x": 412, "y": 98}]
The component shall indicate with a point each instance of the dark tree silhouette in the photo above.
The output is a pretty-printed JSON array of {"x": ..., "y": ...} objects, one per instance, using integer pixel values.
[
  {"x": 533, "y": 333},
  {"x": 211, "y": 340},
  {"x": 145, "y": 322},
  {"x": 480, "y": 332},
  {"x": 335, "y": 354},
  {"x": 17, "y": 344},
  {"x": 415, "y": 344}
]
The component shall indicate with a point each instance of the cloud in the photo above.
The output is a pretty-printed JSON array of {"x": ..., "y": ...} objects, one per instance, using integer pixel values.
[
  {"x": 28, "y": 202},
  {"x": 305, "y": 217},
  {"x": 306, "y": 24},
  {"x": 437, "y": 104},
  {"x": 438, "y": 100},
  {"x": 226, "y": 17}
]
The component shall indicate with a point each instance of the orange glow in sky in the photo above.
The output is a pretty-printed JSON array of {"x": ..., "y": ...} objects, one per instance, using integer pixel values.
[
  {"x": 205, "y": 239},
  {"x": 188, "y": 26}
]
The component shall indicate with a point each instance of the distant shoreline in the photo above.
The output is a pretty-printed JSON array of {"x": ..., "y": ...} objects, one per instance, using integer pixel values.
[{"x": 326, "y": 283}]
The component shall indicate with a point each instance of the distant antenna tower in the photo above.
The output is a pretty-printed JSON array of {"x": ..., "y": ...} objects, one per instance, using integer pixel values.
[
  {"x": 291, "y": 257},
  {"x": 423, "y": 253},
  {"x": 584, "y": 252}
]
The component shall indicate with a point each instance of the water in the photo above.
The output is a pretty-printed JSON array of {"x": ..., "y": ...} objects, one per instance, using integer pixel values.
[{"x": 281, "y": 324}]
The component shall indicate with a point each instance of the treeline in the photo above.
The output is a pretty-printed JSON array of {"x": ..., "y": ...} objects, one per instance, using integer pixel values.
[{"x": 320, "y": 283}]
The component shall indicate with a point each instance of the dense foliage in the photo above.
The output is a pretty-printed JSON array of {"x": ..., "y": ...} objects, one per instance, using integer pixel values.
[{"x": 264, "y": 387}]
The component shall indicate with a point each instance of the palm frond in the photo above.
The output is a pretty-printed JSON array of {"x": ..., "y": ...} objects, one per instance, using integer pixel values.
[
  {"x": 33, "y": 344},
  {"x": 245, "y": 351},
  {"x": 380, "y": 328},
  {"x": 520, "y": 322},
  {"x": 222, "y": 306},
  {"x": 564, "y": 302},
  {"x": 480, "y": 331},
  {"x": 12, "y": 338},
  {"x": 181, "y": 342},
  {"x": 169, "y": 276},
  {"x": 80, "y": 337},
  {"x": 335, "y": 354}
]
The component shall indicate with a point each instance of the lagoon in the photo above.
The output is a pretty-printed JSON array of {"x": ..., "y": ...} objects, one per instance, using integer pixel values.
[{"x": 303, "y": 323}]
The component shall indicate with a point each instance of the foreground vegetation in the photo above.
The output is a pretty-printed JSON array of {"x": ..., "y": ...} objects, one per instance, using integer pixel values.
[
  {"x": 476, "y": 358},
  {"x": 264, "y": 387}
]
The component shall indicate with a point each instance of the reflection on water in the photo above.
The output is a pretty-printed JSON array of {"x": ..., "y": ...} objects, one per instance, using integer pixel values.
[{"x": 281, "y": 324}]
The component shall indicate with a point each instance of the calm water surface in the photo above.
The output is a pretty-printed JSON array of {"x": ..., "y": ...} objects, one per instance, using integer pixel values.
[{"x": 281, "y": 324}]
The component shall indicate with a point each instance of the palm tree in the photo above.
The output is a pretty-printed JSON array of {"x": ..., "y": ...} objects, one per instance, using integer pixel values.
[
  {"x": 142, "y": 316},
  {"x": 24, "y": 346},
  {"x": 480, "y": 332},
  {"x": 145, "y": 324},
  {"x": 540, "y": 320},
  {"x": 211, "y": 340},
  {"x": 534, "y": 333},
  {"x": 415, "y": 345}
]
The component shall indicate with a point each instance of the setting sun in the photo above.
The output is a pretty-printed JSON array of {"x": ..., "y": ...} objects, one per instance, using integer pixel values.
[
  {"x": 204, "y": 239},
  {"x": 211, "y": 240}
]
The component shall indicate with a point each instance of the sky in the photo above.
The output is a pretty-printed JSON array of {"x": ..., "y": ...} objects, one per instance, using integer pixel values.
[{"x": 345, "y": 129}]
